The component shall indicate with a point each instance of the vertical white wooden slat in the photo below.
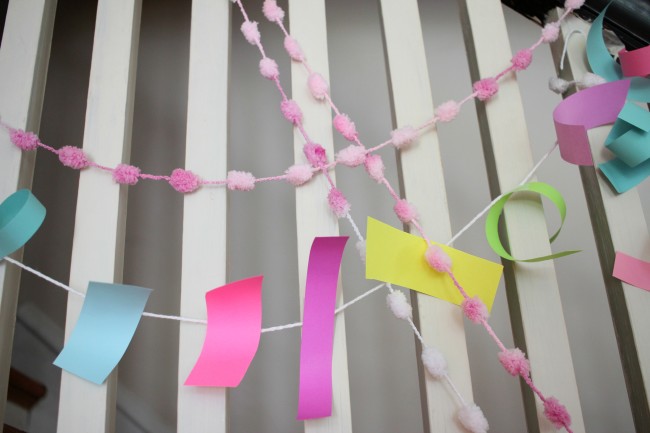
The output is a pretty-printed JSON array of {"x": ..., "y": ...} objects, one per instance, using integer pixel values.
[
  {"x": 533, "y": 292},
  {"x": 204, "y": 213},
  {"x": 24, "y": 57},
  {"x": 313, "y": 218},
  {"x": 619, "y": 225},
  {"x": 441, "y": 323},
  {"x": 98, "y": 246}
]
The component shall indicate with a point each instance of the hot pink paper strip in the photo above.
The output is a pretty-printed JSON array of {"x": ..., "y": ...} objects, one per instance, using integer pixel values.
[
  {"x": 632, "y": 271},
  {"x": 315, "y": 389},
  {"x": 635, "y": 63},
  {"x": 233, "y": 335},
  {"x": 584, "y": 110}
]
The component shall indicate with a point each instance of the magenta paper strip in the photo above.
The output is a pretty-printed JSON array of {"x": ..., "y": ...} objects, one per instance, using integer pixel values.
[
  {"x": 315, "y": 389},
  {"x": 584, "y": 110},
  {"x": 632, "y": 271},
  {"x": 635, "y": 63},
  {"x": 233, "y": 335}
]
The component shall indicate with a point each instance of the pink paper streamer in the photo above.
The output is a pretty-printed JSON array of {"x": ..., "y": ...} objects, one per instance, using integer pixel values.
[
  {"x": 584, "y": 110},
  {"x": 315, "y": 389},
  {"x": 632, "y": 271},
  {"x": 635, "y": 63},
  {"x": 233, "y": 335}
]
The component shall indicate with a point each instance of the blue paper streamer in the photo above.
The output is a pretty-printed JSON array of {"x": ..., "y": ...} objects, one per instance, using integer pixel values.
[{"x": 21, "y": 214}]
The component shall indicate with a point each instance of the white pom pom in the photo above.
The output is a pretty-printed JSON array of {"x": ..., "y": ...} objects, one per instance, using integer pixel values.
[
  {"x": 472, "y": 418},
  {"x": 435, "y": 362},
  {"x": 361, "y": 248},
  {"x": 399, "y": 305},
  {"x": 558, "y": 85},
  {"x": 591, "y": 80}
]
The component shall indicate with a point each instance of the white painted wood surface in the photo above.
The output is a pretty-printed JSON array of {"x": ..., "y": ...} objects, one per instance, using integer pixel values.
[
  {"x": 313, "y": 217},
  {"x": 203, "y": 409},
  {"x": 24, "y": 57},
  {"x": 533, "y": 292},
  {"x": 98, "y": 246}
]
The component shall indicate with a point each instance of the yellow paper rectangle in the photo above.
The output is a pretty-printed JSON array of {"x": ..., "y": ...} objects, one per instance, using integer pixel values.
[{"x": 396, "y": 257}]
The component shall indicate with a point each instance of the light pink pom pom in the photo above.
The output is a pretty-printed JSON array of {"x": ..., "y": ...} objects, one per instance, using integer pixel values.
[
  {"x": 398, "y": 305},
  {"x": 447, "y": 111},
  {"x": 352, "y": 155},
  {"x": 402, "y": 137},
  {"x": 240, "y": 180},
  {"x": 184, "y": 180},
  {"x": 434, "y": 361},
  {"x": 474, "y": 309},
  {"x": 299, "y": 174},
  {"x": 73, "y": 157},
  {"x": 250, "y": 31},
  {"x": 573, "y": 4},
  {"x": 269, "y": 69},
  {"x": 590, "y": 80},
  {"x": 293, "y": 49},
  {"x": 318, "y": 86},
  {"x": 272, "y": 11},
  {"x": 486, "y": 88},
  {"x": 472, "y": 418},
  {"x": 438, "y": 259},
  {"x": 24, "y": 140},
  {"x": 558, "y": 85},
  {"x": 126, "y": 174},
  {"x": 345, "y": 126},
  {"x": 338, "y": 203},
  {"x": 315, "y": 154},
  {"x": 522, "y": 59},
  {"x": 515, "y": 362},
  {"x": 405, "y": 211},
  {"x": 550, "y": 32},
  {"x": 556, "y": 413},
  {"x": 291, "y": 111},
  {"x": 375, "y": 167}
]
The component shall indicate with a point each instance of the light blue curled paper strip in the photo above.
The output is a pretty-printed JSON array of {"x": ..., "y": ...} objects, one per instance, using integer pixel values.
[{"x": 21, "y": 214}]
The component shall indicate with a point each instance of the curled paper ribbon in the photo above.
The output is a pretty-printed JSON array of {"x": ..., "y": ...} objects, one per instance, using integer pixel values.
[
  {"x": 492, "y": 221},
  {"x": 635, "y": 63},
  {"x": 632, "y": 271},
  {"x": 21, "y": 214}
]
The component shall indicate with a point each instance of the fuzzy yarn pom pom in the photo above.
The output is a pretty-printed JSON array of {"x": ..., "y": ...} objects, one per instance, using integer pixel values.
[
  {"x": 515, "y": 362},
  {"x": 438, "y": 259},
  {"x": 555, "y": 412},
  {"x": 472, "y": 418},
  {"x": 318, "y": 86},
  {"x": 184, "y": 180},
  {"x": 361, "y": 249},
  {"x": 399, "y": 305},
  {"x": 73, "y": 157},
  {"x": 404, "y": 136},
  {"x": 590, "y": 80},
  {"x": 126, "y": 174},
  {"x": 573, "y": 4},
  {"x": 434, "y": 361},
  {"x": 240, "y": 180},
  {"x": 315, "y": 154},
  {"x": 293, "y": 49},
  {"x": 405, "y": 211},
  {"x": 299, "y": 174},
  {"x": 375, "y": 167},
  {"x": 269, "y": 69},
  {"x": 558, "y": 85},
  {"x": 550, "y": 32},
  {"x": 352, "y": 155},
  {"x": 345, "y": 127},
  {"x": 250, "y": 31},
  {"x": 474, "y": 309},
  {"x": 486, "y": 88},
  {"x": 447, "y": 111},
  {"x": 272, "y": 11},
  {"x": 291, "y": 111},
  {"x": 24, "y": 140},
  {"x": 338, "y": 203},
  {"x": 522, "y": 59}
]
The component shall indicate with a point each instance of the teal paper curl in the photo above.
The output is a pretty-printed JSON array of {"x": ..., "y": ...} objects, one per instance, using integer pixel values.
[{"x": 21, "y": 214}]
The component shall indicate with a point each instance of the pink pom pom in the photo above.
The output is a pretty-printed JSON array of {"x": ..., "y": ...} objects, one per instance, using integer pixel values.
[
  {"x": 315, "y": 154},
  {"x": 338, "y": 203},
  {"x": 472, "y": 418},
  {"x": 375, "y": 167},
  {"x": 345, "y": 127},
  {"x": 522, "y": 59},
  {"x": 293, "y": 49},
  {"x": 269, "y": 69},
  {"x": 73, "y": 157},
  {"x": 447, "y": 111},
  {"x": 318, "y": 86},
  {"x": 291, "y": 111},
  {"x": 573, "y": 4},
  {"x": 126, "y": 174},
  {"x": 556, "y": 413},
  {"x": 299, "y": 174},
  {"x": 402, "y": 137},
  {"x": 250, "y": 31},
  {"x": 240, "y": 181},
  {"x": 405, "y": 211},
  {"x": 352, "y": 155},
  {"x": 24, "y": 140},
  {"x": 272, "y": 11},
  {"x": 438, "y": 259},
  {"x": 515, "y": 362},
  {"x": 486, "y": 88},
  {"x": 474, "y": 309},
  {"x": 184, "y": 180},
  {"x": 550, "y": 32}
]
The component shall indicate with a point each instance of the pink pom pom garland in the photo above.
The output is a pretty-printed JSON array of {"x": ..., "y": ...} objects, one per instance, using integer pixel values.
[
  {"x": 318, "y": 86},
  {"x": 293, "y": 49},
  {"x": 438, "y": 259},
  {"x": 514, "y": 361},
  {"x": 447, "y": 111},
  {"x": 375, "y": 167},
  {"x": 25, "y": 141},
  {"x": 299, "y": 174},
  {"x": 352, "y": 156},
  {"x": 73, "y": 157},
  {"x": 338, "y": 203},
  {"x": 522, "y": 59},
  {"x": 555, "y": 412},
  {"x": 126, "y": 174},
  {"x": 240, "y": 181},
  {"x": 269, "y": 69},
  {"x": 486, "y": 88},
  {"x": 291, "y": 111},
  {"x": 405, "y": 211},
  {"x": 272, "y": 11},
  {"x": 403, "y": 137},
  {"x": 251, "y": 33},
  {"x": 184, "y": 180},
  {"x": 345, "y": 127}
]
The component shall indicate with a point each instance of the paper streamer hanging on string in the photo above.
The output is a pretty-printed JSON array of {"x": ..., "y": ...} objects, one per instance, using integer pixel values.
[
  {"x": 21, "y": 214},
  {"x": 396, "y": 257},
  {"x": 492, "y": 221},
  {"x": 632, "y": 271},
  {"x": 233, "y": 335},
  {"x": 316, "y": 347},
  {"x": 106, "y": 324},
  {"x": 635, "y": 63}
]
